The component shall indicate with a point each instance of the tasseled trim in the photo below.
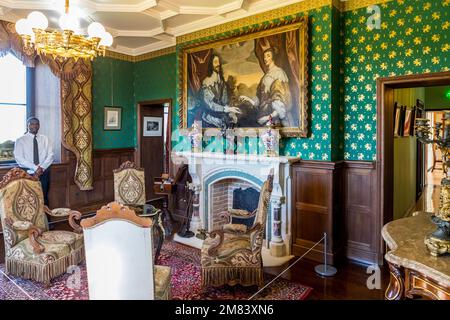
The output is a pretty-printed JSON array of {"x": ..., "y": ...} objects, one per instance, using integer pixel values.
[
  {"x": 167, "y": 294},
  {"x": 246, "y": 276},
  {"x": 44, "y": 272}
]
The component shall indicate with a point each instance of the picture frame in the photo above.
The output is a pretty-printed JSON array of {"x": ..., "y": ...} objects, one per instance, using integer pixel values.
[
  {"x": 152, "y": 126},
  {"x": 407, "y": 124},
  {"x": 112, "y": 118},
  {"x": 240, "y": 66},
  {"x": 397, "y": 116}
]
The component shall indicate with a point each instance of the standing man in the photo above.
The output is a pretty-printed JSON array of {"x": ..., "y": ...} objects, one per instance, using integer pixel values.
[{"x": 34, "y": 153}]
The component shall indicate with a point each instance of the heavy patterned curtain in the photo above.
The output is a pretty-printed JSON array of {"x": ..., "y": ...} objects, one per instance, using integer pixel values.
[{"x": 76, "y": 101}]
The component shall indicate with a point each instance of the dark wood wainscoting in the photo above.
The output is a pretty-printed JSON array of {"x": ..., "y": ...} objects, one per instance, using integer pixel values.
[
  {"x": 363, "y": 223},
  {"x": 339, "y": 198},
  {"x": 65, "y": 193},
  {"x": 317, "y": 209}
]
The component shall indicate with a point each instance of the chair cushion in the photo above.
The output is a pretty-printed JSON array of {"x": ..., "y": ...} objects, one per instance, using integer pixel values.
[
  {"x": 162, "y": 282},
  {"x": 237, "y": 228},
  {"x": 231, "y": 244},
  {"x": 23, "y": 251},
  {"x": 72, "y": 239}
]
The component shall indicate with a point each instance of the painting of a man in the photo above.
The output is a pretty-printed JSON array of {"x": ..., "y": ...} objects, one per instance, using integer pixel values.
[{"x": 215, "y": 94}]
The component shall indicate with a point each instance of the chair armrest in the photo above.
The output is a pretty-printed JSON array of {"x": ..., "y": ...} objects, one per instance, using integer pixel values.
[
  {"x": 241, "y": 213},
  {"x": 34, "y": 233},
  {"x": 235, "y": 228},
  {"x": 66, "y": 212},
  {"x": 57, "y": 212},
  {"x": 75, "y": 215},
  {"x": 20, "y": 225},
  {"x": 212, "y": 250}
]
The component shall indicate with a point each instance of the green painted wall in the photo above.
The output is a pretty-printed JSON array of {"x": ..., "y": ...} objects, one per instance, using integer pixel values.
[
  {"x": 155, "y": 79},
  {"x": 413, "y": 39},
  {"x": 405, "y": 157},
  {"x": 436, "y": 98},
  {"x": 113, "y": 84}
]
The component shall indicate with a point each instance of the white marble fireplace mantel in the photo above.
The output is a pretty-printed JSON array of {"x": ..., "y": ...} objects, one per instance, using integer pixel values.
[{"x": 207, "y": 168}]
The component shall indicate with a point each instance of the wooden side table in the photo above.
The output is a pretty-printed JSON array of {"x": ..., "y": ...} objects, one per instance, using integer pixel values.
[
  {"x": 414, "y": 271},
  {"x": 165, "y": 186}
]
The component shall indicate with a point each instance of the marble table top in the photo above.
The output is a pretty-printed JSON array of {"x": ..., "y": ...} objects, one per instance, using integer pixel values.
[{"x": 405, "y": 239}]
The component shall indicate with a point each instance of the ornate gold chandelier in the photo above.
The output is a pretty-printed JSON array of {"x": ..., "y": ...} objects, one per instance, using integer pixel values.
[{"x": 67, "y": 43}]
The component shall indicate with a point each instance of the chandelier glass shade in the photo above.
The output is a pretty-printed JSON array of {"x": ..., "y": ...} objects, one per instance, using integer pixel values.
[{"x": 65, "y": 43}]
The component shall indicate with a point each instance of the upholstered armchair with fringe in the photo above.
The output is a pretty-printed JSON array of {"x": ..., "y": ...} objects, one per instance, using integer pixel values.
[
  {"x": 129, "y": 186},
  {"x": 232, "y": 255},
  {"x": 31, "y": 250}
]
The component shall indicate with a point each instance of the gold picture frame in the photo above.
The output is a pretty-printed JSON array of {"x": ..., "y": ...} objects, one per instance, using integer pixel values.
[{"x": 222, "y": 63}]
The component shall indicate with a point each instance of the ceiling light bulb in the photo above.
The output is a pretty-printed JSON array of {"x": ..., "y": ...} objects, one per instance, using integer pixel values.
[
  {"x": 37, "y": 20},
  {"x": 107, "y": 40},
  {"x": 96, "y": 30},
  {"x": 23, "y": 27},
  {"x": 69, "y": 22}
]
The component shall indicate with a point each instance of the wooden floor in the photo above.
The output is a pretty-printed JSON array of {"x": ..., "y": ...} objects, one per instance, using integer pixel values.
[{"x": 349, "y": 283}]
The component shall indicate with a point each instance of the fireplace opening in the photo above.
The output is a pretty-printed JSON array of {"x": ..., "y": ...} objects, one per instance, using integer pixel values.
[{"x": 232, "y": 194}]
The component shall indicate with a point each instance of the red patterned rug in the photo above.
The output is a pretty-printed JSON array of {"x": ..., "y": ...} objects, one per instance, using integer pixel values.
[{"x": 185, "y": 264}]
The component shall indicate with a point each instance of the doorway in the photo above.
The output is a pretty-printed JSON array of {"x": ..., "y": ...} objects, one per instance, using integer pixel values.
[
  {"x": 154, "y": 140},
  {"x": 385, "y": 137}
]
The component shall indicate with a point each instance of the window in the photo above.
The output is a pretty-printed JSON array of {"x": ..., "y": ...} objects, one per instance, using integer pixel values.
[{"x": 13, "y": 104}]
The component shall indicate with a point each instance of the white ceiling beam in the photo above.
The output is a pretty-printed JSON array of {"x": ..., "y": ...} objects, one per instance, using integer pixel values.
[
  {"x": 166, "y": 38},
  {"x": 84, "y": 4},
  {"x": 135, "y": 33},
  {"x": 168, "y": 5}
]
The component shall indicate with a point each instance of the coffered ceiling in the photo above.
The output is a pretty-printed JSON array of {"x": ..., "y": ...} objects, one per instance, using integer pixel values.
[{"x": 142, "y": 26}]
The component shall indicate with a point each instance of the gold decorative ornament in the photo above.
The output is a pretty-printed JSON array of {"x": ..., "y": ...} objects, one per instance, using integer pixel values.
[
  {"x": 67, "y": 43},
  {"x": 438, "y": 243}
]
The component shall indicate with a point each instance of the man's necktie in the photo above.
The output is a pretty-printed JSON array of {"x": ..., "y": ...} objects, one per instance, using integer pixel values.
[{"x": 35, "y": 151}]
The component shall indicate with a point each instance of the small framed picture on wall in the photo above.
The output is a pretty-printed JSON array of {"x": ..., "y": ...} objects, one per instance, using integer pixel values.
[
  {"x": 152, "y": 127},
  {"x": 112, "y": 118}
]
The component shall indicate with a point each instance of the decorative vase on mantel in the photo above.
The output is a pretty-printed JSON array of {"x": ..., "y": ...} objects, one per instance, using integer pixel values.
[
  {"x": 270, "y": 139},
  {"x": 196, "y": 137}
]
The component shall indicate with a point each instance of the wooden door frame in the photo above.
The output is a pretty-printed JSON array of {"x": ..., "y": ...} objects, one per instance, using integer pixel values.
[
  {"x": 385, "y": 135},
  {"x": 140, "y": 105}
]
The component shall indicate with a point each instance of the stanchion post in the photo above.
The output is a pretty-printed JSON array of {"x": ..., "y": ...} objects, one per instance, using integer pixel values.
[{"x": 324, "y": 269}]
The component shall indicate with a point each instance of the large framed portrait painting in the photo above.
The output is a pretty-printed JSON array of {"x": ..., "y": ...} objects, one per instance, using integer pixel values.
[{"x": 248, "y": 79}]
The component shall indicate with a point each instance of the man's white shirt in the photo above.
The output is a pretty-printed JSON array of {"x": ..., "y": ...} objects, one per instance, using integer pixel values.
[{"x": 23, "y": 151}]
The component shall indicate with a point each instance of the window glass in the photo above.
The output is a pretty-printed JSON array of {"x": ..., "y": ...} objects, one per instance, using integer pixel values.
[{"x": 13, "y": 109}]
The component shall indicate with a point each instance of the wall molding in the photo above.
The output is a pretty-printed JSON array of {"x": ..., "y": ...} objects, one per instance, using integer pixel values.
[
  {"x": 142, "y": 57},
  {"x": 279, "y": 13},
  {"x": 155, "y": 54},
  {"x": 351, "y": 5}
]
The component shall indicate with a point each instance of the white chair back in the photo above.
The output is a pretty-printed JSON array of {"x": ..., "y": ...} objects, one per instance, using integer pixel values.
[{"x": 119, "y": 255}]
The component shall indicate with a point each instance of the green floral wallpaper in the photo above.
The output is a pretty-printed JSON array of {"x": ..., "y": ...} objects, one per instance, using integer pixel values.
[
  {"x": 412, "y": 39},
  {"x": 113, "y": 85}
]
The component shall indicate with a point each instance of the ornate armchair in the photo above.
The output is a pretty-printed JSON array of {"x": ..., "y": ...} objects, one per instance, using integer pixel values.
[
  {"x": 232, "y": 255},
  {"x": 31, "y": 250},
  {"x": 119, "y": 257}
]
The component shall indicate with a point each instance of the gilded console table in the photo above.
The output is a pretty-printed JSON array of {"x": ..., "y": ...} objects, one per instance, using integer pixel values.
[{"x": 414, "y": 271}]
